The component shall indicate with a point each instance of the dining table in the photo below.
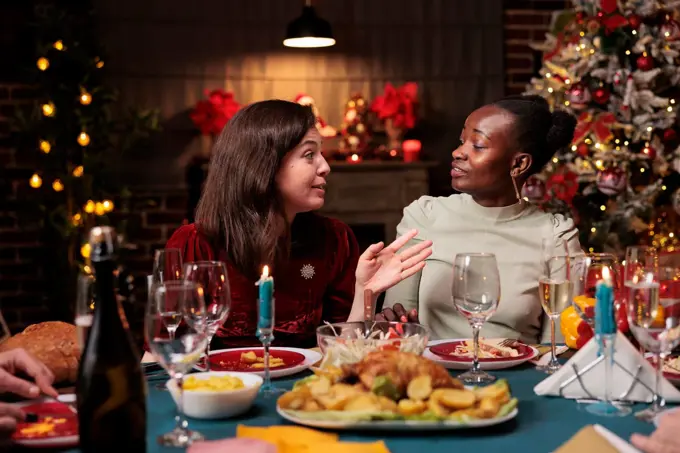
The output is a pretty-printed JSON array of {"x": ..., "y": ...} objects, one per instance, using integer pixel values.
[{"x": 542, "y": 424}]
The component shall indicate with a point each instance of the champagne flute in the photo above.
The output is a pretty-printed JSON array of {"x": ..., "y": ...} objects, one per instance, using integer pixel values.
[
  {"x": 212, "y": 277},
  {"x": 177, "y": 355},
  {"x": 85, "y": 302},
  {"x": 636, "y": 260},
  {"x": 555, "y": 289},
  {"x": 476, "y": 292}
]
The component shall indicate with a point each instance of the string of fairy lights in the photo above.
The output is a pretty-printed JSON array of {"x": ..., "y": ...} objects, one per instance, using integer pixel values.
[{"x": 83, "y": 139}]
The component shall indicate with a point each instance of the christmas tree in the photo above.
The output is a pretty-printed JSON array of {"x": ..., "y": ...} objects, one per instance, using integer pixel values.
[
  {"x": 615, "y": 65},
  {"x": 76, "y": 142}
]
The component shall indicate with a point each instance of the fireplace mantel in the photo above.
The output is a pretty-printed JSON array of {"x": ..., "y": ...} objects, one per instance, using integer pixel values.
[{"x": 374, "y": 192}]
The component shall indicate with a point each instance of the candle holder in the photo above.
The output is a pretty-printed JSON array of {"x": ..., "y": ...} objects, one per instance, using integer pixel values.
[
  {"x": 265, "y": 332},
  {"x": 607, "y": 408}
]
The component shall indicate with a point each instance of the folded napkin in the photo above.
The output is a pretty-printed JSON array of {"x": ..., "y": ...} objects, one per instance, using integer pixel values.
[
  {"x": 296, "y": 439},
  {"x": 596, "y": 439},
  {"x": 627, "y": 356}
]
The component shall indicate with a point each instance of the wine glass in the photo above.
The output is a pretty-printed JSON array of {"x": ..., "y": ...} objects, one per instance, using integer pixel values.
[
  {"x": 167, "y": 265},
  {"x": 476, "y": 291},
  {"x": 212, "y": 277},
  {"x": 586, "y": 271},
  {"x": 555, "y": 289},
  {"x": 177, "y": 354},
  {"x": 649, "y": 321}
]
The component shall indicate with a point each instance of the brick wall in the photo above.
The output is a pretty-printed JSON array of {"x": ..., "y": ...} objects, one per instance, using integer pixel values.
[{"x": 525, "y": 21}]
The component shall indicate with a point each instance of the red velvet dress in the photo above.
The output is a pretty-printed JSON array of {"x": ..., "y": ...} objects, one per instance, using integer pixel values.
[{"x": 316, "y": 284}]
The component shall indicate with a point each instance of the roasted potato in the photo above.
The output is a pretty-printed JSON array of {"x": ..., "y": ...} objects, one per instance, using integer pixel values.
[
  {"x": 364, "y": 402},
  {"x": 411, "y": 407},
  {"x": 321, "y": 386},
  {"x": 454, "y": 399},
  {"x": 419, "y": 389},
  {"x": 387, "y": 404},
  {"x": 294, "y": 400},
  {"x": 488, "y": 408},
  {"x": 499, "y": 391}
]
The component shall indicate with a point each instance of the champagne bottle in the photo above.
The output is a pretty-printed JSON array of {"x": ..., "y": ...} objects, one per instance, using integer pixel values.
[{"x": 111, "y": 389}]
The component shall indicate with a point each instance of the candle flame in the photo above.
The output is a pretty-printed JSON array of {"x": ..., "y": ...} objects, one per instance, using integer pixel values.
[
  {"x": 265, "y": 272},
  {"x": 606, "y": 274}
]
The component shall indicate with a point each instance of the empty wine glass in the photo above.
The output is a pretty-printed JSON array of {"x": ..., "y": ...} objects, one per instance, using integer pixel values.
[
  {"x": 177, "y": 354},
  {"x": 555, "y": 290},
  {"x": 212, "y": 277},
  {"x": 167, "y": 266},
  {"x": 476, "y": 291}
]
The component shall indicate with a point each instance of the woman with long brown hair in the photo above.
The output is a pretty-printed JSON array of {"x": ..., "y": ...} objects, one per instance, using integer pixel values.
[{"x": 266, "y": 176}]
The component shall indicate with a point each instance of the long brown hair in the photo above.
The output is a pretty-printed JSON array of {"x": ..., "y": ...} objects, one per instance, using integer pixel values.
[{"x": 240, "y": 208}]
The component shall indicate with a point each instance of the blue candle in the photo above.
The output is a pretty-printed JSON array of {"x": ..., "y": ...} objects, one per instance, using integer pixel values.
[
  {"x": 265, "y": 300},
  {"x": 605, "y": 323}
]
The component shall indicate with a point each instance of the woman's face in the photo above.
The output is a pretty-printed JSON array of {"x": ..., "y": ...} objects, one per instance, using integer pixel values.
[
  {"x": 482, "y": 163},
  {"x": 301, "y": 180}
]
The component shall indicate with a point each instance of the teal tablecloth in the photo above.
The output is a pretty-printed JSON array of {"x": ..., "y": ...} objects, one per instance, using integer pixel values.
[{"x": 543, "y": 423}]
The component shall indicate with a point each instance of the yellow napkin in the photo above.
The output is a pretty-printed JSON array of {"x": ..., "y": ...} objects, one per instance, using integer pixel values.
[
  {"x": 296, "y": 439},
  {"x": 587, "y": 440}
]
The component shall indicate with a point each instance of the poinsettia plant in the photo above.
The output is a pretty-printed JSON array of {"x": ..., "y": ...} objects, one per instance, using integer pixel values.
[
  {"x": 212, "y": 114},
  {"x": 397, "y": 104}
]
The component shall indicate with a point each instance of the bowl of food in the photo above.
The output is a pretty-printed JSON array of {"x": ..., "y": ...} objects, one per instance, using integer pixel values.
[
  {"x": 349, "y": 342},
  {"x": 216, "y": 394}
]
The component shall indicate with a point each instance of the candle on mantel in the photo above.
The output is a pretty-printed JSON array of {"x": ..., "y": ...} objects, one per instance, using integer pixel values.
[
  {"x": 411, "y": 149},
  {"x": 265, "y": 300},
  {"x": 605, "y": 324},
  {"x": 354, "y": 158}
]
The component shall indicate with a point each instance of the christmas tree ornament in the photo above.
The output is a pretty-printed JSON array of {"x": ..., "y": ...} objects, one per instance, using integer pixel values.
[
  {"x": 634, "y": 21},
  {"x": 534, "y": 189},
  {"x": 649, "y": 152},
  {"x": 578, "y": 96},
  {"x": 611, "y": 181},
  {"x": 670, "y": 29},
  {"x": 354, "y": 131},
  {"x": 645, "y": 62},
  {"x": 583, "y": 150},
  {"x": 670, "y": 136},
  {"x": 601, "y": 95}
]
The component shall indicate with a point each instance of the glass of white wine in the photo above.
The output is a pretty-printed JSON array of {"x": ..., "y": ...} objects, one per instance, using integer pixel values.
[
  {"x": 178, "y": 353},
  {"x": 555, "y": 290},
  {"x": 476, "y": 292}
]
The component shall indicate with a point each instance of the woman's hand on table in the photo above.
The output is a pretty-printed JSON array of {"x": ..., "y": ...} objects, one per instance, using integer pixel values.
[
  {"x": 665, "y": 437},
  {"x": 380, "y": 267},
  {"x": 398, "y": 314},
  {"x": 18, "y": 360}
]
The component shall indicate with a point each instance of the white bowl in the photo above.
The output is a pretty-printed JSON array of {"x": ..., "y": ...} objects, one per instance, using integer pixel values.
[{"x": 203, "y": 404}]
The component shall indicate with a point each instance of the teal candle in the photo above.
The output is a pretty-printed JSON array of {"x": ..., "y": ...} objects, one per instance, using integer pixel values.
[
  {"x": 605, "y": 323},
  {"x": 265, "y": 300}
]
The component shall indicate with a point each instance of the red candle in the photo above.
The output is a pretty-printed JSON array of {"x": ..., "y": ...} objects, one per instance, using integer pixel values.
[{"x": 411, "y": 150}]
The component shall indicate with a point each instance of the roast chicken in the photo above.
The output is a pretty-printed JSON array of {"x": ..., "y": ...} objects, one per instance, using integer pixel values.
[
  {"x": 400, "y": 368},
  {"x": 54, "y": 343}
]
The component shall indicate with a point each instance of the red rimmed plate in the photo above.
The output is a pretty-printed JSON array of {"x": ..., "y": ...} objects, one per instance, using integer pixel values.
[
  {"x": 295, "y": 360},
  {"x": 446, "y": 351},
  {"x": 56, "y": 425},
  {"x": 439, "y": 351},
  {"x": 674, "y": 378}
]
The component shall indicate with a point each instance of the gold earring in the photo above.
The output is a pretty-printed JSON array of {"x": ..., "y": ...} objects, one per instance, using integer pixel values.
[{"x": 514, "y": 183}]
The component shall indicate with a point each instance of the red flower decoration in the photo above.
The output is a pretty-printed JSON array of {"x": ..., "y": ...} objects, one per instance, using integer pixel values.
[
  {"x": 212, "y": 114},
  {"x": 397, "y": 104},
  {"x": 563, "y": 185}
]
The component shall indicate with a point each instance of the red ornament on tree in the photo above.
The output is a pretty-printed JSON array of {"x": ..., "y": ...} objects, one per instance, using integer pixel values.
[
  {"x": 669, "y": 136},
  {"x": 583, "y": 150},
  {"x": 645, "y": 62},
  {"x": 533, "y": 189},
  {"x": 580, "y": 16},
  {"x": 578, "y": 96},
  {"x": 634, "y": 21},
  {"x": 670, "y": 29},
  {"x": 611, "y": 181},
  {"x": 601, "y": 95},
  {"x": 649, "y": 152}
]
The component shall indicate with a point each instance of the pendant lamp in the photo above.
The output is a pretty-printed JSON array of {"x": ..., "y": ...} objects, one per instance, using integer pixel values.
[{"x": 309, "y": 30}]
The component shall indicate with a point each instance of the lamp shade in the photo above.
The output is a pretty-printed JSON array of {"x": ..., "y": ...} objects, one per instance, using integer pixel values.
[{"x": 309, "y": 30}]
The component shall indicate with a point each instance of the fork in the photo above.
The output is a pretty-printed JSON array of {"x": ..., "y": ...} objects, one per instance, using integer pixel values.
[{"x": 508, "y": 343}]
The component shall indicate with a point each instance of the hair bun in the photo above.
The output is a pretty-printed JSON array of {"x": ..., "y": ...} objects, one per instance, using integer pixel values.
[{"x": 561, "y": 132}]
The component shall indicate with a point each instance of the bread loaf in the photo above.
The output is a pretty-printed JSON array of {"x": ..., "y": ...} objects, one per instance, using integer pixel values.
[{"x": 54, "y": 343}]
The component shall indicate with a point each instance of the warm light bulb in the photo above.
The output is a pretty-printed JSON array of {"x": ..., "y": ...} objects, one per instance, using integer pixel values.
[
  {"x": 85, "y": 98},
  {"x": 108, "y": 205},
  {"x": 99, "y": 208},
  {"x": 89, "y": 207},
  {"x": 78, "y": 171},
  {"x": 59, "y": 45},
  {"x": 35, "y": 181},
  {"x": 308, "y": 42},
  {"x": 593, "y": 229},
  {"x": 57, "y": 185},
  {"x": 48, "y": 109},
  {"x": 85, "y": 250},
  {"x": 566, "y": 103},
  {"x": 43, "y": 63},
  {"x": 98, "y": 63},
  {"x": 83, "y": 139},
  {"x": 603, "y": 208},
  {"x": 45, "y": 146},
  {"x": 76, "y": 219}
]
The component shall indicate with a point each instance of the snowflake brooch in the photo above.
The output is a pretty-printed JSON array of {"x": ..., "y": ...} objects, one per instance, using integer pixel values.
[{"x": 307, "y": 271}]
